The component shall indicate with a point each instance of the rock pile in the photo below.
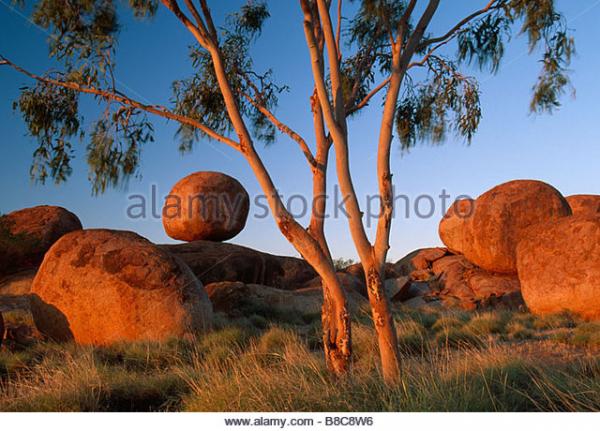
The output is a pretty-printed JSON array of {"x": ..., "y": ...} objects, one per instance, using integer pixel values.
[
  {"x": 438, "y": 277},
  {"x": 525, "y": 234},
  {"x": 489, "y": 235},
  {"x": 239, "y": 299},
  {"x": 521, "y": 243}
]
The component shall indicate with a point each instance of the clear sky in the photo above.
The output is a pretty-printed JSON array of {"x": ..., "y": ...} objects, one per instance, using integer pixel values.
[{"x": 562, "y": 149}]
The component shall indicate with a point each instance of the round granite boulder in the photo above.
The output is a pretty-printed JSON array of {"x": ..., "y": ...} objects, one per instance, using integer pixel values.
[
  {"x": 454, "y": 226},
  {"x": 503, "y": 215},
  {"x": 27, "y": 234},
  {"x": 206, "y": 206},
  {"x": 103, "y": 286},
  {"x": 559, "y": 267}
]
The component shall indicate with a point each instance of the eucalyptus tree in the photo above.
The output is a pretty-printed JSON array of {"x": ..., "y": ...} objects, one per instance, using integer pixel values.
[{"x": 357, "y": 51}]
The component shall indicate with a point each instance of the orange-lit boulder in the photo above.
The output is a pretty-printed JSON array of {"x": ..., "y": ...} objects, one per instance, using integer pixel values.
[
  {"x": 559, "y": 267},
  {"x": 206, "y": 205},
  {"x": 503, "y": 215},
  {"x": 585, "y": 204},
  {"x": 103, "y": 286},
  {"x": 454, "y": 227},
  {"x": 473, "y": 287},
  {"x": 26, "y": 235},
  {"x": 425, "y": 257}
]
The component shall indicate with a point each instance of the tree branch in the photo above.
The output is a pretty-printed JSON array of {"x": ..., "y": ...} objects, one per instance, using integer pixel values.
[
  {"x": 192, "y": 8},
  {"x": 459, "y": 25},
  {"x": 338, "y": 32},
  {"x": 365, "y": 101},
  {"x": 283, "y": 128},
  {"x": 316, "y": 225},
  {"x": 428, "y": 55},
  {"x": 363, "y": 246},
  {"x": 334, "y": 64},
  {"x": 120, "y": 98},
  {"x": 198, "y": 32},
  {"x": 403, "y": 23},
  {"x": 400, "y": 60},
  {"x": 207, "y": 15}
]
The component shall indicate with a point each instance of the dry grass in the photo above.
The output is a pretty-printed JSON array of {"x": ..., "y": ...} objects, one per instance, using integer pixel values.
[{"x": 494, "y": 361}]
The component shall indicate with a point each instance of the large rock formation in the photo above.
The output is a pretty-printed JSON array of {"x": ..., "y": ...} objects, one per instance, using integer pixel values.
[
  {"x": 559, "y": 267},
  {"x": 503, "y": 215},
  {"x": 206, "y": 206},
  {"x": 454, "y": 227},
  {"x": 213, "y": 262},
  {"x": 27, "y": 234},
  {"x": 585, "y": 204},
  {"x": 439, "y": 278},
  {"x": 472, "y": 287},
  {"x": 104, "y": 286}
]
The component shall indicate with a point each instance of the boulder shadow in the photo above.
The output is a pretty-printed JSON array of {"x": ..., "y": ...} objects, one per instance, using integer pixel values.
[{"x": 50, "y": 321}]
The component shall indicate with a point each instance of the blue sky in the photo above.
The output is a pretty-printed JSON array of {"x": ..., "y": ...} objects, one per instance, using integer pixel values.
[{"x": 561, "y": 149}]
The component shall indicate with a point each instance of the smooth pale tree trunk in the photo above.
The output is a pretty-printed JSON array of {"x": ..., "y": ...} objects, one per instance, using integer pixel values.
[
  {"x": 336, "y": 320},
  {"x": 384, "y": 323},
  {"x": 335, "y": 121}
]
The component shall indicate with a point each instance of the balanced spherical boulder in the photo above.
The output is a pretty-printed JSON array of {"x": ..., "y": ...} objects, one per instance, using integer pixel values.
[
  {"x": 503, "y": 215},
  {"x": 104, "y": 286},
  {"x": 206, "y": 206},
  {"x": 559, "y": 267},
  {"x": 585, "y": 204},
  {"x": 454, "y": 228},
  {"x": 27, "y": 234}
]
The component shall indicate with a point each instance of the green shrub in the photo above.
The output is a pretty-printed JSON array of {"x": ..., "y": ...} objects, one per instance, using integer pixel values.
[
  {"x": 587, "y": 334},
  {"x": 454, "y": 337},
  {"x": 555, "y": 321},
  {"x": 487, "y": 323},
  {"x": 412, "y": 337},
  {"x": 447, "y": 322},
  {"x": 518, "y": 330}
]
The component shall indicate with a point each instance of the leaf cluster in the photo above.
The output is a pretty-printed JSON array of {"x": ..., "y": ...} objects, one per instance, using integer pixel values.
[
  {"x": 83, "y": 37},
  {"x": 447, "y": 100},
  {"x": 199, "y": 96}
]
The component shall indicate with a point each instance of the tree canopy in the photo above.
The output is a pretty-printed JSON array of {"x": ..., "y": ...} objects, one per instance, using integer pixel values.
[{"x": 445, "y": 99}]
